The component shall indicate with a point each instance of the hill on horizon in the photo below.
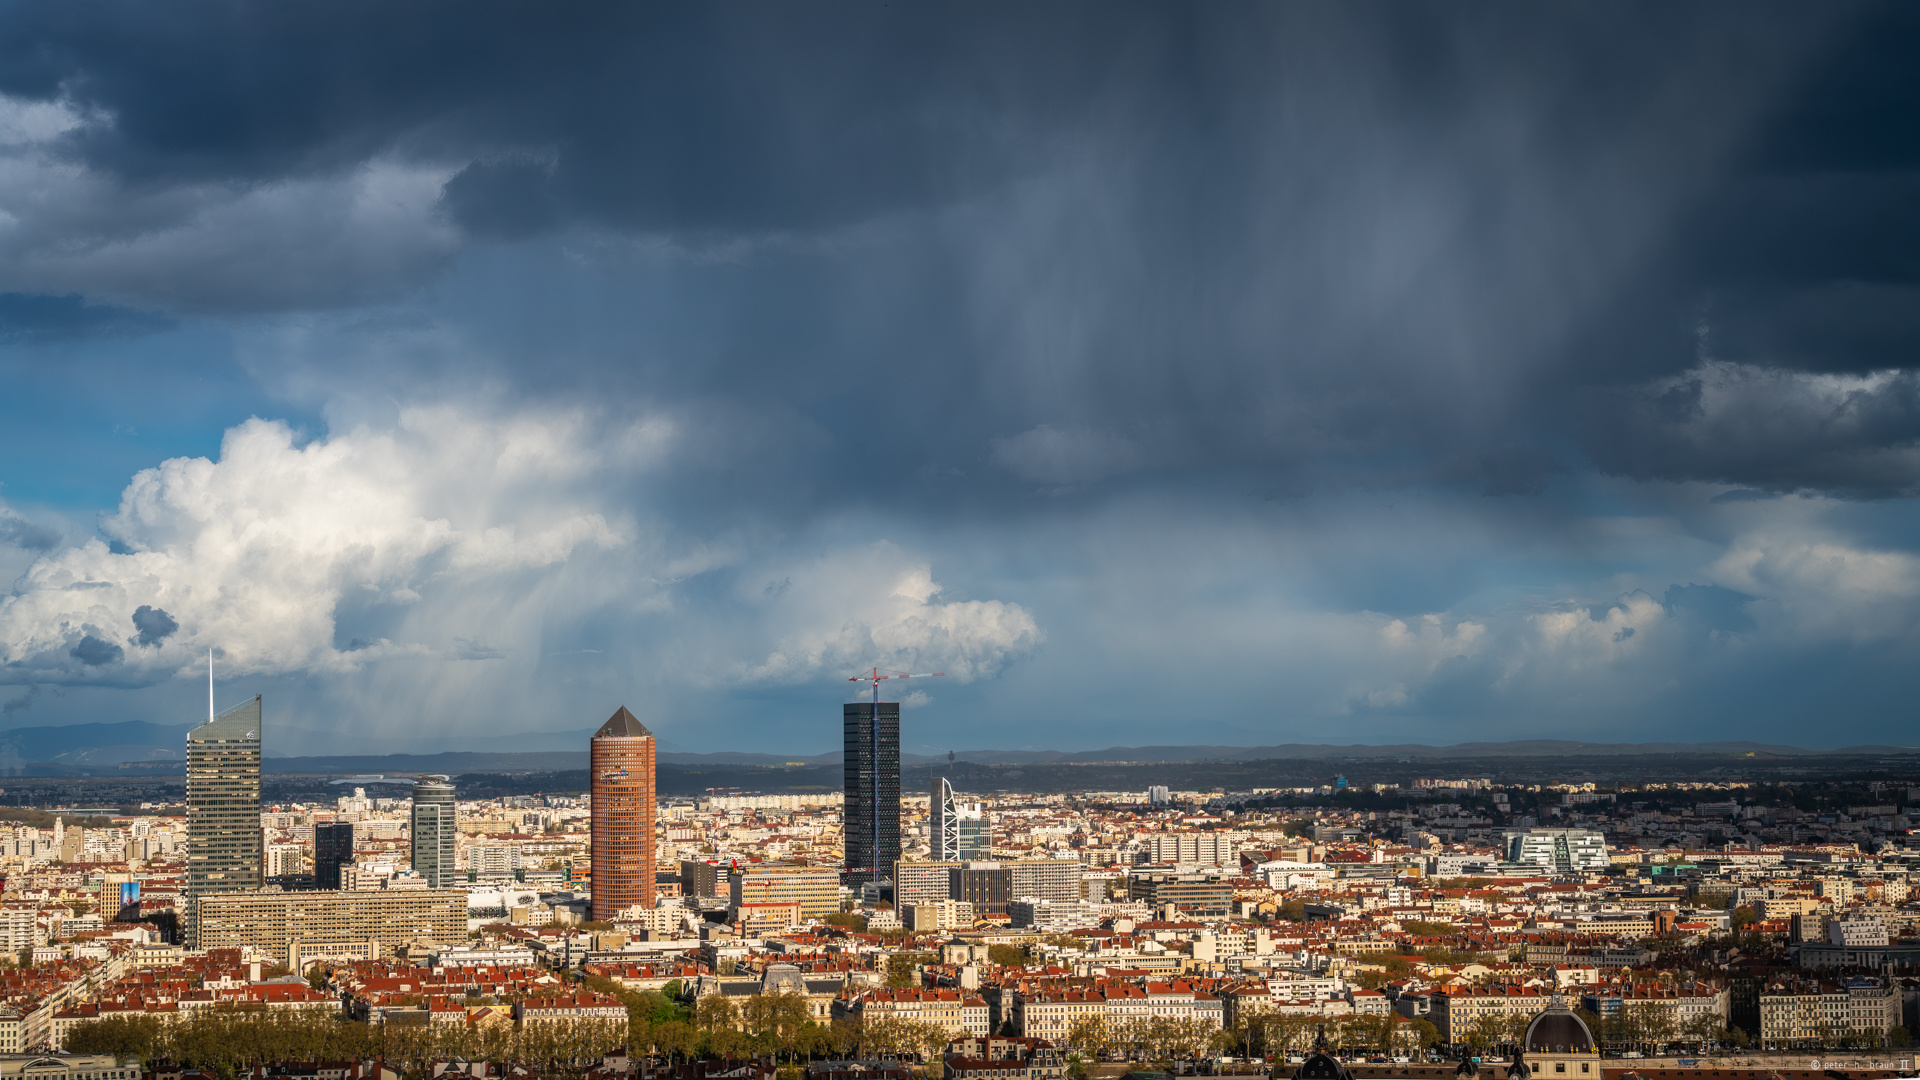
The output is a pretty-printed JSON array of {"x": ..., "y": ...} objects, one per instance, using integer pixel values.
[{"x": 95, "y": 745}]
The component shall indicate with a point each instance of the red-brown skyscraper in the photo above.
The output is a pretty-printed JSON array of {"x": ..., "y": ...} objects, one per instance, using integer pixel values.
[{"x": 622, "y": 770}]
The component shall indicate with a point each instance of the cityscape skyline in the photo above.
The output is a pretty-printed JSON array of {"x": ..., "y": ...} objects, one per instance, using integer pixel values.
[{"x": 1391, "y": 529}]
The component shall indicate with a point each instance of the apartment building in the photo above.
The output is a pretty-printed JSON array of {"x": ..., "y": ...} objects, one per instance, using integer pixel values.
[
  {"x": 961, "y": 1012},
  {"x": 931, "y": 915},
  {"x": 1053, "y": 1014},
  {"x": 290, "y": 924},
  {"x": 1209, "y": 848},
  {"x": 1678, "y": 1006},
  {"x": 1799, "y": 1012},
  {"x": 1456, "y": 1010}
]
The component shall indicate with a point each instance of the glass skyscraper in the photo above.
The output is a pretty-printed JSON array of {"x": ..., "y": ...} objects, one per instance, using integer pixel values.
[
  {"x": 872, "y": 770},
  {"x": 223, "y": 809},
  {"x": 433, "y": 831},
  {"x": 332, "y": 851}
]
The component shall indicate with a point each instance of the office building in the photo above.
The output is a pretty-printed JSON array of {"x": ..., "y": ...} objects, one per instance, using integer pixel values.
[
  {"x": 1189, "y": 894},
  {"x": 925, "y": 882},
  {"x": 621, "y": 767},
  {"x": 332, "y": 849},
  {"x": 434, "y": 819},
  {"x": 872, "y": 773},
  {"x": 1045, "y": 879},
  {"x": 991, "y": 886},
  {"x": 815, "y": 889},
  {"x": 705, "y": 879},
  {"x": 961, "y": 830},
  {"x": 364, "y": 924},
  {"x": 1560, "y": 851},
  {"x": 223, "y": 809}
]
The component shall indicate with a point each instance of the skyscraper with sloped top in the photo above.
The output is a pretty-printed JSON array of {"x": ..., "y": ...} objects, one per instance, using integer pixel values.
[
  {"x": 223, "y": 808},
  {"x": 621, "y": 773}
]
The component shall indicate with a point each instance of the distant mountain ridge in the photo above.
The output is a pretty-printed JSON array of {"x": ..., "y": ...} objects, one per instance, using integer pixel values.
[{"x": 107, "y": 745}]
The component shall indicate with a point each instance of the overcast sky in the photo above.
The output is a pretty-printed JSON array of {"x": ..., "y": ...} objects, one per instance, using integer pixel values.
[{"x": 1174, "y": 373}]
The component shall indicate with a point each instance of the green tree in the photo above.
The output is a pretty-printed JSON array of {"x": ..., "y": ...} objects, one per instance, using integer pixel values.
[
  {"x": 715, "y": 1013},
  {"x": 122, "y": 1036},
  {"x": 1487, "y": 1030},
  {"x": 1088, "y": 1035},
  {"x": 1006, "y": 955},
  {"x": 903, "y": 968},
  {"x": 778, "y": 1018},
  {"x": 675, "y": 1038}
]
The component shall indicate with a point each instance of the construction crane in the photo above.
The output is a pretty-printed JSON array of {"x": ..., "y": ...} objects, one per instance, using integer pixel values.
[
  {"x": 873, "y": 735},
  {"x": 876, "y": 679}
]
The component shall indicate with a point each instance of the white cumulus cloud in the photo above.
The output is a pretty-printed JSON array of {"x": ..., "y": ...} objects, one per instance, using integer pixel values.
[
  {"x": 256, "y": 554},
  {"x": 873, "y": 606}
]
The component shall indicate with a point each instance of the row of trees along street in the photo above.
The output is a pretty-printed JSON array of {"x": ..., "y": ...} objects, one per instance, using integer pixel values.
[
  {"x": 230, "y": 1042},
  {"x": 1256, "y": 1033}
]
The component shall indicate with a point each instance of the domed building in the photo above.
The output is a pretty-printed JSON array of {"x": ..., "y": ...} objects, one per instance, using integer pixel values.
[
  {"x": 1556, "y": 1046},
  {"x": 1321, "y": 1064}
]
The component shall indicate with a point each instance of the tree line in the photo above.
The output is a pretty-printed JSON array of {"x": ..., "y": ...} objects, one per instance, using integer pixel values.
[
  {"x": 230, "y": 1042},
  {"x": 1254, "y": 1033},
  {"x": 782, "y": 1026}
]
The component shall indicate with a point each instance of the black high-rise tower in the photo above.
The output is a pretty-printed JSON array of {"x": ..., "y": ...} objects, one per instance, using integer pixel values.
[
  {"x": 332, "y": 850},
  {"x": 872, "y": 815}
]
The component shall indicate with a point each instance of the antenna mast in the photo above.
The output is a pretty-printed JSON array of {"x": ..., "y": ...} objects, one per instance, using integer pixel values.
[{"x": 209, "y": 684}]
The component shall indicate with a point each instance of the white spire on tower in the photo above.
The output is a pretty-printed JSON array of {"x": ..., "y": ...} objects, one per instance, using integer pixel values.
[{"x": 209, "y": 684}]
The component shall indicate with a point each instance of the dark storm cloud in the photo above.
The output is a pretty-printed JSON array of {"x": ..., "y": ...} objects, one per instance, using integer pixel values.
[
  {"x": 21, "y": 533},
  {"x": 154, "y": 625},
  {"x": 1710, "y": 607},
  {"x": 22, "y": 703},
  {"x": 1128, "y": 241},
  {"x": 1770, "y": 428},
  {"x": 94, "y": 652},
  {"x": 697, "y": 117},
  {"x": 27, "y": 319}
]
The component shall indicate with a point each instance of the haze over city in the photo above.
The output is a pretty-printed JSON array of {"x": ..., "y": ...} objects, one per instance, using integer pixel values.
[{"x": 1162, "y": 374}]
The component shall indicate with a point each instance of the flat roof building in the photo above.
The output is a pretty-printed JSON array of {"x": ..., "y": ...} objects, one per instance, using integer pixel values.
[
  {"x": 333, "y": 922},
  {"x": 871, "y": 771},
  {"x": 332, "y": 849},
  {"x": 434, "y": 827},
  {"x": 816, "y": 889}
]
